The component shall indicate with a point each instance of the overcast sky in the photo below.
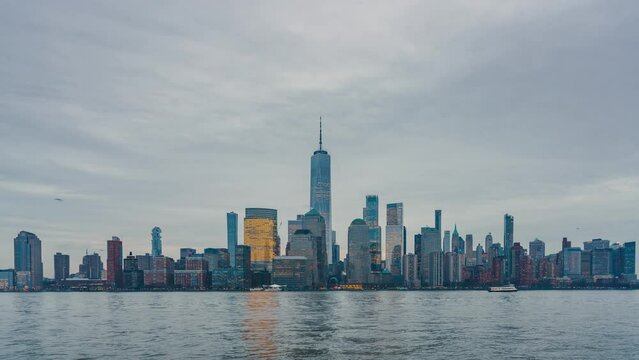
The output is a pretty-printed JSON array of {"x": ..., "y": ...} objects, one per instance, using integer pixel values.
[{"x": 171, "y": 114}]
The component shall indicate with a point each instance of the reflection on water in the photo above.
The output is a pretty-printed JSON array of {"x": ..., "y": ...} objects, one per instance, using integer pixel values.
[
  {"x": 320, "y": 325},
  {"x": 259, "y": 325}
]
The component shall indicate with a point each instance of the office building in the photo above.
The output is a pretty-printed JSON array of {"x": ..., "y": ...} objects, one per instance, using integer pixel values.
[
  {"x": 601, "y": 261},
  {"x": 537, "y": 250},
  {"x": 596, "y": 244},
  {"x": 303, "y": 243},
  {"x": 260, "y": 233},
  {"x": 156, "y": 241},
  {"x": 313, "y": 221},
  {"x": 509, "y": 235},
  {"x": 161, "y": 274},
  {"x": 431, "y": 243},
  {"x": 293, "y": 226},
  {"x": 410, "y": 271},
  {"x": 61, "y": 265},
  {"x": 243, "y": 273},
  {"x": 144, "y": 261},
  {"x": 358, "y": 265},
  {"x": 133, "y": 276},
  {"x": 28, "y": 258},
  {"x": 195, "y": 276},
  {"x": 7, "y": 280},
  {"x": 371, "y": 217},
  {"x": 488, "y": 241},
  {"x": 320, "y": 195},
  {"x": 217, "y": 258},
  {"x": 91, "y": 267},
  {"x": 447, "y": 247},
  {"x": 292, "y": 272},
  {"x": 469, "y": 246},
  {"x": 572, "y": 261},
  {"x": 114, "y": 263},
  {"x": 457, "y": 242},
  {"x": 417, "y": 245},
  {"x": 629, "y": 254},
  {"x": 231, "y": 236},
  {"x": 394, "y": 237}
]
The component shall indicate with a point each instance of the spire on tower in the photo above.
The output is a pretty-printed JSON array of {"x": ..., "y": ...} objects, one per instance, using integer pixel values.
[{"x": 320, "y": 143}]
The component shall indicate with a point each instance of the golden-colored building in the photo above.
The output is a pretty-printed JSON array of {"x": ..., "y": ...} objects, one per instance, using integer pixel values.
[{"x": 260, "y": 233}]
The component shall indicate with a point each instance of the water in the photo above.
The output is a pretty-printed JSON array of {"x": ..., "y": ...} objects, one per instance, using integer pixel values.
[{"x": 325, "y": 325}]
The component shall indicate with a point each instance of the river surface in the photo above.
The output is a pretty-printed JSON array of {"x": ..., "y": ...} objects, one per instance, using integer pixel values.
[{"x": 324, "y": 325}]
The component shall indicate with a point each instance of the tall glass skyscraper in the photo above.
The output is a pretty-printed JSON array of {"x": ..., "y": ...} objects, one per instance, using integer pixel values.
[
  {"x": 231, "y": 236},
  {"x": 260, "y": 233},
  {"x": 371, "y": 217},
  {"x": 321, "y": 190},
  {"x": 395, "y": 246},
  {"x": 28, "y": 258},
  {"x": 509, "y": 229},
  {"x": 156, "y": 241}
]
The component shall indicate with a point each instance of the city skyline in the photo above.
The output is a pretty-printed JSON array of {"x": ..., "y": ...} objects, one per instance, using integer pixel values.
[{"x": 134, "y": 125}]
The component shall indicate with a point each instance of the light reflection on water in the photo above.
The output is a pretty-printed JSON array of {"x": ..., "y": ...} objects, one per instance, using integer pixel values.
[{"x": 324, "y": 325}]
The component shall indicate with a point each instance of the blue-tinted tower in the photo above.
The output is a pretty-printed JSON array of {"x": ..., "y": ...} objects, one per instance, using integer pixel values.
[
  {"x": 321, "y": 190},
  {"x": 231, "y": 236},
  {"x": 156, "y": 241}
]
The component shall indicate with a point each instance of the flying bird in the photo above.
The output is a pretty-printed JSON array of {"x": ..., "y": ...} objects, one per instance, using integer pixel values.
[{"x": 58, "y": 199}]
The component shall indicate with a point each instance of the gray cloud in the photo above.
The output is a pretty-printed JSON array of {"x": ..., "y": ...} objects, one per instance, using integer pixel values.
[{"x": 170, "y": 115}]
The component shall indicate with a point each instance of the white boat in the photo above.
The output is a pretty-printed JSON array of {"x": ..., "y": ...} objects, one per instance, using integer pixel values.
[
  {"x": 256, "y": 289},
  {"x": 506, "y": 288},
  {"x": 273, "y": 287}
]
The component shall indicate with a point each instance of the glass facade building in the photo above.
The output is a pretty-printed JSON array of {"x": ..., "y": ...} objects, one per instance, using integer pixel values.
[
  {"x": 260, "y": 233},
  {"x": 28, "y": 258},
  {"x": 358, "y": 268},
  {"x": 371, "y": 217},
  {"x": 156, "y": 241},
  {"x": 61, "y": 266},
  {"x": 231, "y": 236},
  {"x": 509, "y": 231},
  {"x": 320, "y": 195},
  {"x": 395, "y": 239}
]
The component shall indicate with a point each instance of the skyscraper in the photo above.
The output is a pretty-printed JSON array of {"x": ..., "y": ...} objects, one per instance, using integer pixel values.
[
  {"x": 91, "y": 267},
  {"x": 260, "y": 233},
  {"x": 488, "y": 242},
  {"x": 509, "y": 229},
  {"x": 156, "y": 241},
  {"x": 304, "y": 243},
  {"x": 231, "y": 236},
  {"x": 293, "y": 226},
  {"x": 629, "y": 255},
  {"x": 358, "y": 268},
  {"x": 321, "y": 190},
  {"x": 456, "y": 242},
  {"x": 371, "y": 217},
  {"x": 431, "y": 263},
  {"x": 28, "y": 258},
  {"x": 446, "y": 241},
  {"x": 438, "y": 220},
  {"x": 313, "y": 221},
  {"x": 537, "y": 250},
  {"x": 60, "y": 266},
  {"x": 394, "y": 237},
  {"x": 114, "y": 263},
  {"x": 243, "y": 266},
  {"x": 469, "y": 246}
]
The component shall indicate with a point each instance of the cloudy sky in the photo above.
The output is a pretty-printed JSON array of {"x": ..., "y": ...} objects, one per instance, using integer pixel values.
[{"x": 171, "y": 114}]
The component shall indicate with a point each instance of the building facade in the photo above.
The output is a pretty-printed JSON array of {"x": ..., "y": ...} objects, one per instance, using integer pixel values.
[
  {"x": 156, "y": 241},
  {"x": 28, "y": 258},
  {"x": 115, "y": 276},
  {"x": 320, "y": 194},
  {"x": 231, "y": 236},
  {"x": 358, "y": 265},
  {"x": 260, "y": 233},
  {"x": 61, "y": 265}
]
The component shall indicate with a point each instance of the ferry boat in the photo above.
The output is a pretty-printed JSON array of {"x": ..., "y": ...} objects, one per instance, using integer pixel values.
[
  {"x": 506, "y": 288},
  {"x": 273, "y": 287}
]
